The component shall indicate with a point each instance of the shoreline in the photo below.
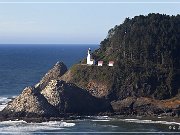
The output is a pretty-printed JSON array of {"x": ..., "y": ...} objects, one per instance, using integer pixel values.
[
  {"x": 40, "y": 119},
  {"x": 169, "y": 124}
]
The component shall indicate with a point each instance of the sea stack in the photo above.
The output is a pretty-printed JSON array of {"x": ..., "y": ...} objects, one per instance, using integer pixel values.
[{"x": 57, "y": 71}]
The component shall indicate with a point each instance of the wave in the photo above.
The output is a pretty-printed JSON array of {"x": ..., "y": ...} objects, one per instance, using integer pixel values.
[
  {"x": 4, "y": 101},
  {"x": 150, "y": 121},
  {"x": 102, "y": 117},
  {"x": 100, "y": 120},
  {"x": 10, "y": 122},
  {"x": 60, "y": 123},
  {"x": 2, "y": 107},
  {"x": 24, "y": 127},
  {"x": 111, "y": 126}
]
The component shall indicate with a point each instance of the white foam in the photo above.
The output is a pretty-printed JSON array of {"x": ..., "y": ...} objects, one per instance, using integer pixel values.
[
  {"x": 2, "y": 107},
  {"x": 61, "y": 124},
  {"x": 14, "y": 96},
  {"x": 22, "y": 126},
  {"x": 100, "y": 120},
  {"x": 100, "y": 117},
  {"x": 4, "y": 100},
  {"x": 150, "y": 121},
  {"x": 112, "y": 126},
  {"x": 104, "y": 116},
  {"x": 7, "y": 98},
  {"x": 10, "y": 122}
]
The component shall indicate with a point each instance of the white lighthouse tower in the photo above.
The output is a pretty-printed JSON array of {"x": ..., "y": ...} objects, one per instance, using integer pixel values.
[{"x": 90, "y": 61}]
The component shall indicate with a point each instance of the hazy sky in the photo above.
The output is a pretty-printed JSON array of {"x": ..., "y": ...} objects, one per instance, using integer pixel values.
[{"x": 69, "y": 23}]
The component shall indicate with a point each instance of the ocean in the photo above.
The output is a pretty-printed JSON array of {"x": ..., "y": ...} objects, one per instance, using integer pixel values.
[{"x": 25, "y": 65}]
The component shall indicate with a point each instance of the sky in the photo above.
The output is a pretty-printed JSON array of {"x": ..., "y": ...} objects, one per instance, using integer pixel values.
[{"x": 71, "y": 22}]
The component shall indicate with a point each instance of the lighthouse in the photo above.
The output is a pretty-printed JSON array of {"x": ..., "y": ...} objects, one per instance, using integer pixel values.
[{"x": 90, "y": 61}]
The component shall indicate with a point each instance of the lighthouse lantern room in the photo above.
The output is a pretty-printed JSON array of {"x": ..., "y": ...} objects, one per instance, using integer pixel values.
[{"x": 90, "y": 61}]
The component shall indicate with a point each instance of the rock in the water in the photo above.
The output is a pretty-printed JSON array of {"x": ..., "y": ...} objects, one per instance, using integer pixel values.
[
  {"x": 57, "y": 71},
  {"x": 68, "y": 98},
  {"x": 30, "y": 103}
]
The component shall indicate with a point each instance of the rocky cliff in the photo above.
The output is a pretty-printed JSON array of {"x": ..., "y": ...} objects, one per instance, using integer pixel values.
[
  {"x": 68, "y": 98},
  {"x": 147, "y": 106},
  {"x": 52, "y": 97},
  {"x": 143, "y": 81}
]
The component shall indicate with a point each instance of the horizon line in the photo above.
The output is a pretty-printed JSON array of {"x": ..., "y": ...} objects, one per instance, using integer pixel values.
[
  {"x": 78, "y": 2},
  {"x": 48, "y": 44}
]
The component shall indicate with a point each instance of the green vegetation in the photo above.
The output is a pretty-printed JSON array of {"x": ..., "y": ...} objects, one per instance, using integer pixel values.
[
  {"x": 82, "y": 74},
  {"x": 146, "y": 54}
]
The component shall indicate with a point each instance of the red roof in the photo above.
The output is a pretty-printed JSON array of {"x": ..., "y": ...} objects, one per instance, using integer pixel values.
[
  {"x": 100, "y": 62},
  {"x": 111, "y": 62}
]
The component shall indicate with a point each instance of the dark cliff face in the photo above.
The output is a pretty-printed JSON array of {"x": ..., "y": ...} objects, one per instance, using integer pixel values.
[
  {"x": 146, "y": 54},
  {"x": 68, "y": 98},
  {"x": 147, "y": 106}
]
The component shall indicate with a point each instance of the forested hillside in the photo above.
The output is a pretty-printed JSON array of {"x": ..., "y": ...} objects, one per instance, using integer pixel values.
[{"x": 146, "y": 51}]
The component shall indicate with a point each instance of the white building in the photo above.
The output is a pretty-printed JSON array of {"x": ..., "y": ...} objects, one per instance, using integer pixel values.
[
  {"x": 100, "y": 63},
  {"x": 90, "y": 61},
  {"x": 111, "y": 63}
]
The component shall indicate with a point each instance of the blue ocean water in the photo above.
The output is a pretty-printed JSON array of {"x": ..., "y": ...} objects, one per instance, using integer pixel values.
[{"x": 25, "y": 65}]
